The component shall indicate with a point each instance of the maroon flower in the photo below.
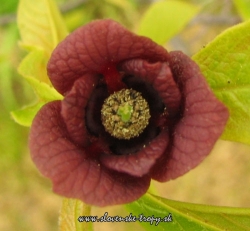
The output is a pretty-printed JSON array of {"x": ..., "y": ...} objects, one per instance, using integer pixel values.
[{"x": 71, "y": 146}]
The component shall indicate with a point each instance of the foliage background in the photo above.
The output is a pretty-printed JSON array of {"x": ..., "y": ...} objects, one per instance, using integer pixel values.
[{"x": 27, "y": 202}]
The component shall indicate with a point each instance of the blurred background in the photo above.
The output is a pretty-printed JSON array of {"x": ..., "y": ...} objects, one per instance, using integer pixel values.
[{"x": 27, "y": 202}]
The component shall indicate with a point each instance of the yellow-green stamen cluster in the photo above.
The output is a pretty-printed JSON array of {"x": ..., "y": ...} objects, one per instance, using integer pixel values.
[{"x": 125, "y": 114}]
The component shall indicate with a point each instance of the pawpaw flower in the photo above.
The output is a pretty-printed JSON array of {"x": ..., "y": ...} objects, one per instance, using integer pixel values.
[{"x": 131, "y": 112}]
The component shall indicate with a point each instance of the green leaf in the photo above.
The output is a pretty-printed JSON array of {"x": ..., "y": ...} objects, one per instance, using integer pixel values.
[
  {"x": 225, "y": 64},
  {"x": 45, "y": 94},
  {"x": 40, "y": 24},
  {"x": 70, "y": 211},
  {"x": 41, "y": 28},
  {"x": 25, "y": 116},
  {"x": 243, "y": 7},
  {"x": 34, "y": 65},
  {"x": 164, "y": 19},
  {"x": 43, "y": 90},
  {"x": 187, "y": 216},
  {"x": 33, "y": 69}
]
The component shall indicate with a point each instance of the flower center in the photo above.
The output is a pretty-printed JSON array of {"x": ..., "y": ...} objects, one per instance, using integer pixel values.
[{"x": 125, "y": 114}]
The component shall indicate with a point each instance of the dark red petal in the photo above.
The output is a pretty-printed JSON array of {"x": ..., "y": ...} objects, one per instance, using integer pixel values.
[
  {"x": 74, "y": 106},
  {"x": 92, "y": 48},
  {"x": 138, "y": 164},
  {"x": 74, "y": 175},
  {"x": 204, "y": 118},
  {"x": 160, "y": 76}
]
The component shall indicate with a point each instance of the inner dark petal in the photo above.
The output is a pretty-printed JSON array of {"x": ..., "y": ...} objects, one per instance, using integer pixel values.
[
  {"x": 159, "y": 76},
  {"x": 147, "y": 91},
  {"x": 93, "y": 110},
  {"x": 119, "y": 146}
]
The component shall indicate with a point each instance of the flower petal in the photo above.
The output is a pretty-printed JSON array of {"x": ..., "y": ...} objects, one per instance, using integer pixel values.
[
  {"x": 73, "y": 174},
  {"x": 160, "y": 77},
  {"x": 74, "y": 107},
  {"x": 93, "y": 47},
  {"x": 138, "y": 164},
  {"x": 202, "y": 123}
]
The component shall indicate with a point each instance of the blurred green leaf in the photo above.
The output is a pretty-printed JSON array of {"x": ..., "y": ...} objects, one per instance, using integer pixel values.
[
  {"x": 25, "y": 116},
  {"x": 77, "y": 17},
  {"x": 164, "y": 19},
  {"x": 120, "y": 3},
  {"x": 10, "y": 133},
  {"x": 126, "y": 7},
  {"x": 40, "y": 24},
  {"x": 187, "y": 216},
  {"x": 70, "y": 211},
  {"x": 243, "y": 7},
  {"x": 225, "y": 64},
  {"x": 8, "y": 6},
  {"x": 7, "y": 50},
  {"x": 123, "y": 11}
]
